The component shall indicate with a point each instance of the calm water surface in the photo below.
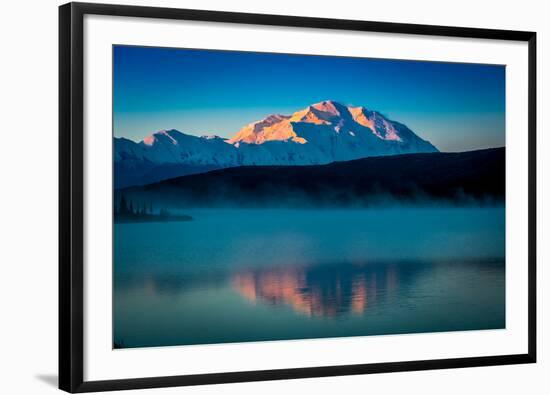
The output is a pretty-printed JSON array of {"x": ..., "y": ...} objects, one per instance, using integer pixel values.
[{"x": 252, "y": 275}]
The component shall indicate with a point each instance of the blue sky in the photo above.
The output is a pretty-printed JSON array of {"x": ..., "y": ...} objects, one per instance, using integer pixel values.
[{"x": 456, "y": 106}]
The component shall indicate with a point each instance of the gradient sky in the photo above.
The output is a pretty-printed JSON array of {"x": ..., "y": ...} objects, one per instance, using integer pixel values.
[{"x": 455, "y": 106}]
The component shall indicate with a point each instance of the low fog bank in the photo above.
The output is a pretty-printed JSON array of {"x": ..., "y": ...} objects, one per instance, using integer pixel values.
[
  {"x": 465, "y": 179},
  {"x": 285, "y": 199}
]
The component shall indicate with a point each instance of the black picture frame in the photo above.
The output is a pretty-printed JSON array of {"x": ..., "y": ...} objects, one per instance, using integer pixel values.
[{"x": 71, "y": 195}]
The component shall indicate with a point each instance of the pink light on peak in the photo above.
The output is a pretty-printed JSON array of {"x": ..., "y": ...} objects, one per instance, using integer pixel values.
[{"x": 149, "y": 140}]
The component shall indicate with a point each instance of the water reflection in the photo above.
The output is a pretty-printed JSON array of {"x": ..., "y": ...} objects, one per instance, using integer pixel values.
[
  {"x": 327, "y": 291},
  {"x": 240, "y": 275},
  {"x": 165, "y": 307}
]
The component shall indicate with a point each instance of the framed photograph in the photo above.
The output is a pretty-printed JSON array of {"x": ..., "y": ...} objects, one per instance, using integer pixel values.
[{"x": 258, "y": 197}]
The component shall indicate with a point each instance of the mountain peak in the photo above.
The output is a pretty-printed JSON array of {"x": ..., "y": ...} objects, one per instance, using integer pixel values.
[
  {"x": 328, "y": 109},
  {"x": 264, "y": 130},
  {"x": 330, "y": 106},
  {"x": 321, "y": 113},
  {"x": 326, "y": 113},
  {"x": 167, "y": 134}
]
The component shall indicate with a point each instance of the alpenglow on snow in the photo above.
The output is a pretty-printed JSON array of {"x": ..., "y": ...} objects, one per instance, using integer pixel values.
[{"x": 322, "y": 133}]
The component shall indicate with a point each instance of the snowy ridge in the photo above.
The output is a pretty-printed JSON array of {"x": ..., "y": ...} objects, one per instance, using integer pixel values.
[{"x": 322, "y": 133}]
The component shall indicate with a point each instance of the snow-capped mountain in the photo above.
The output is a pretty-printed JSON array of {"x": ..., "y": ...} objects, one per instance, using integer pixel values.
[{"x": 321, "y": 133}]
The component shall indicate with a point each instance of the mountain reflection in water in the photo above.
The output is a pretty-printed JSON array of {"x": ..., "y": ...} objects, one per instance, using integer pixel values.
[
  {"x": 327, "y": 291},
  {"x": 303, "y": 301}
]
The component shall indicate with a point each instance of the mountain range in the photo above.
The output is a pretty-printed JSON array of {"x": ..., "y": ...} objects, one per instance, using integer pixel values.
[{"x": 322, "y": 133}]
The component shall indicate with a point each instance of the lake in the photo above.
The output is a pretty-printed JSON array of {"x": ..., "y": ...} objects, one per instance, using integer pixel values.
[{"x": 236, "y": 275}]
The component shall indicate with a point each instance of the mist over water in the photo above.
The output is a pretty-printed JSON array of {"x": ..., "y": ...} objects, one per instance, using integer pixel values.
[{"x": 234, "y": 275}]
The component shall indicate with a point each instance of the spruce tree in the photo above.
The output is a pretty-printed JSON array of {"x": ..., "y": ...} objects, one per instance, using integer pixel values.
[{"x": 123, "y": 208}]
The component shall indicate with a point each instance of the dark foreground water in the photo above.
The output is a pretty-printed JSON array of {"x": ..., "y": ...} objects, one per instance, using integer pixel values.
[{"x": 253, "y": 275}]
